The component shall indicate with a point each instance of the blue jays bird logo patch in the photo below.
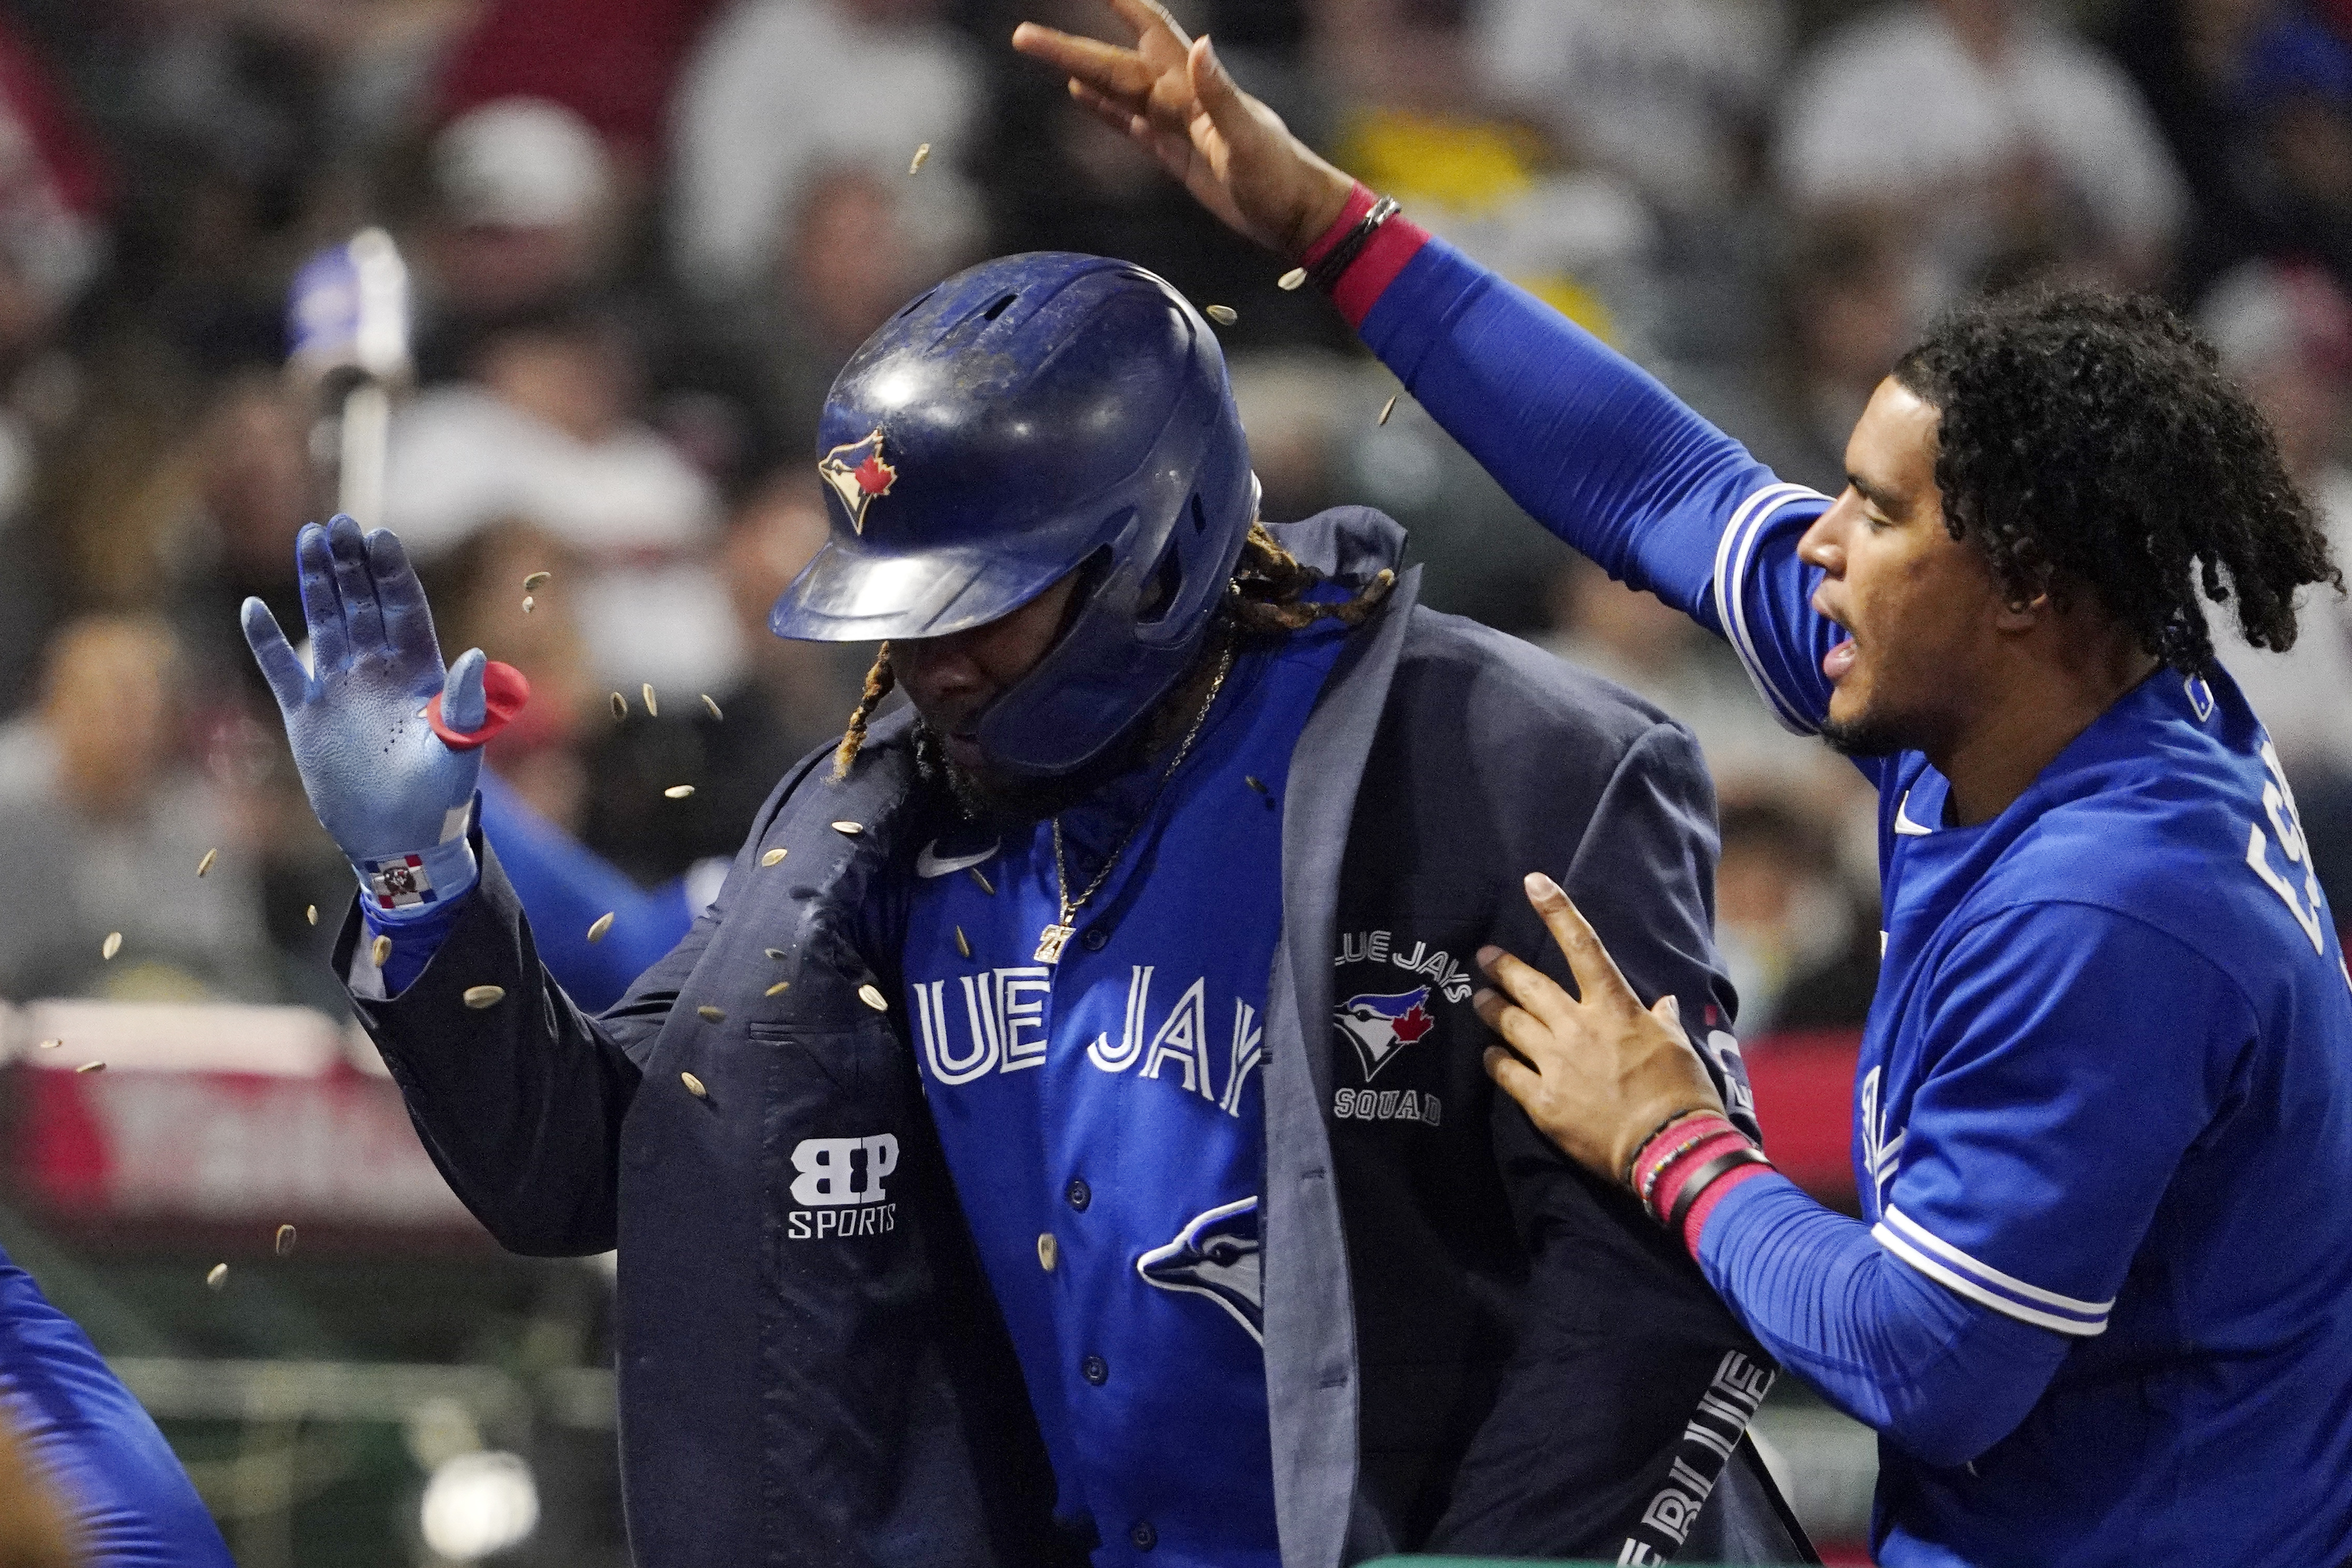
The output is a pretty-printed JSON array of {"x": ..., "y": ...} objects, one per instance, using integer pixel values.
[
  {"x": 1379, "y": 1026},
  {"x": 1216, "y": 1256},
  {"x": 858, "y": 476}
]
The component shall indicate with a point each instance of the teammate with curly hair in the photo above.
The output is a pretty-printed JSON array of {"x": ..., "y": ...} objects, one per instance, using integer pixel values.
[{"x": 2099, "y": 1304}]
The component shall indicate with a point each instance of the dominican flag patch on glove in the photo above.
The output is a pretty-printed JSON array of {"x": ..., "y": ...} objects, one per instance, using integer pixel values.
[{"x": 400, "y": 883}]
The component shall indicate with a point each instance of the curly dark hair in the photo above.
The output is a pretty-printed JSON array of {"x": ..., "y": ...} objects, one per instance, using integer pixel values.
[{"x": 2090, "y": 439}]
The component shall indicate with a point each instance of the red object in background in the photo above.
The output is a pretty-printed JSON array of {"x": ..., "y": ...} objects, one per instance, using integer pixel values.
[
  {"x": 61, "y": 145},
  {"x": 1804, "y": 1100},
  {"x": 611, "y": 62}
]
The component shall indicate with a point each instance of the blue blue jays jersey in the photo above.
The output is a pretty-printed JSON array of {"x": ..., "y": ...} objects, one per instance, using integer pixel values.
[
  {"x": 2107, "y": 1089},
  {"x": 1102, "y": 1118}
]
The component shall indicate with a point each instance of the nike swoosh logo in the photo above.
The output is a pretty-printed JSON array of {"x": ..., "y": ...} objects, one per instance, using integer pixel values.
[
  {"x": 1903, "y": 822},
  {"x": 928, "y": 864}
]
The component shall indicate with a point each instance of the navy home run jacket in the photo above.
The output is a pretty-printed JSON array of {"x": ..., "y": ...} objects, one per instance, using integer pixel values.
[{"x": 1470, "y": 1345}]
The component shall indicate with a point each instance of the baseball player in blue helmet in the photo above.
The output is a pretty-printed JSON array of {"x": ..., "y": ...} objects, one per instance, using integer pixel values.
[{"x": 1066, "y": 1137}]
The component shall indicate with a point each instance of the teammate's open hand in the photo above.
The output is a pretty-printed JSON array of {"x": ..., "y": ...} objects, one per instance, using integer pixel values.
[
  {"x": 1172, "y": 94},
  {"x": 1596, "y": 1076}
]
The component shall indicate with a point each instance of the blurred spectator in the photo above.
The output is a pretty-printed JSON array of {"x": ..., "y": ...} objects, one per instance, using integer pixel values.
[
  {"x": 611, "y": 62},
  {"x": 2286, "y": 333},
  {"x": 525, "y": 215},
  {"x": 2002, "y": 137},
  {"x": 1416, "y": 124},
  {"x": 545, "y": 429},
  {"x": 1669, "y": 94},
  {"x": 1626, "y": 635},
  {"x": 791, "y": 698},
  {"x": 102, "y": 827},
  {"x": 779, "y": 89},
  {"x": 1800, "y": 945},
  {"x": 2189, "y": 59},
  {"x": 2297, "y": 96}
]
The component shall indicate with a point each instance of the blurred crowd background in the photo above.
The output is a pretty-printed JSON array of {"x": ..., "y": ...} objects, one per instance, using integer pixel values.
[{"x": 643, "y": 234}]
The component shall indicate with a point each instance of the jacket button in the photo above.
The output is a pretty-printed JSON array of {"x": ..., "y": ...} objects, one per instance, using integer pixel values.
[
  {"x": 1095, "y": 1370},
  {"x": 1096, "y": 939},
  {"x": 1143, "y": 1535},
  {"x": 1049, "y": 1251},
  {"x": 1078, "y": 1193}
]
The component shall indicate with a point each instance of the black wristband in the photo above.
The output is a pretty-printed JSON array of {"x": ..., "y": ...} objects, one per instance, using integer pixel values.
[
  {"x": 1328, "y": 272},
  {"x": 1705, "y": 1176}
]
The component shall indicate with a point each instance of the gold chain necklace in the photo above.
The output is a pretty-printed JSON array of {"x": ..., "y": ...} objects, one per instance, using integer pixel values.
[{"x": 1050, "y": 940}]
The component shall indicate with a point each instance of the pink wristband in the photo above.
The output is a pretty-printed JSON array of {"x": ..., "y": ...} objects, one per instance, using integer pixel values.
[{"x": 1385, "y": 254}]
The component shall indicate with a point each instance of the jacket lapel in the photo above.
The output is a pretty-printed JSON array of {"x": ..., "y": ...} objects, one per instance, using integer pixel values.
[{"x": 1311, "y": 1341}]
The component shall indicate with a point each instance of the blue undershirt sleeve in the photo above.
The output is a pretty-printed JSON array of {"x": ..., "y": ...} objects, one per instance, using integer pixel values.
[
  {"x": 1938, "y": 1375},
  {"x": 1603, "y": 455}
]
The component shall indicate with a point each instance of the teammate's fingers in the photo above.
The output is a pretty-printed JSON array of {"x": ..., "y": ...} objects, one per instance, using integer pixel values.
[
  {"x": 1527, "y": 985},
  {"x": 1598, "y": 979},
  {"x": 1512, "y": 1076},
  {"x": 1217, "y": 93},
  {"x": 322, "y": 606},
  {"x": 363, "y": 616},
  {"x": 1148, "y": 17},
  {"x": 408, "y": 618},
  {"x": 289, "y": 681},
  {"x": 1107, "y": 67},
  {"x": 1526, "y": 1033},
  {"x": 1112, "y": 111}
]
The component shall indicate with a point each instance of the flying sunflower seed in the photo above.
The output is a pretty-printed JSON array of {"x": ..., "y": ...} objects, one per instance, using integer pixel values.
[
  {"x": 536, "y": 581},
  {"x": 851, "y": 829},
  {"x": 310, "y": 914},
  {"x": 217, "y": 1276},
  {"x": 694, "y": 1085},
  {"x": 653, "y": 709},
  {"x": 111, "y": 946},
  {"x": 52, "y": 1044},
  {"x": 603, "y": 924},
  {"x": 984, "y": 885},
  {"x": 1222, "y": 315},
  {"x": 712, "y": 708},
  {"x": 679, "y": 792},
  {"x": 1291, "y": 279},
  {"x": 962, "y": 946},
  {"x": 1387, "y": 409},
  {"x": 776, "y": 953},
  {"x": 528, "y": 604},
  {"x": 873, "y": 999},
  {"x": 779, "y": 988},
  {"x": 920, "y": 154},
  {"x": 620, "y": 705},
  {"x": 91, "y": 1067},
  {"x": 481, "y": 996},
  {"x": 380, "y": 951},
  {"x": 771, "y": 857},
  {"x": 710, "y": 1014},
  {"x": 1256, "y": 783},
  {"x": 205, "y": 865},
  {"x": 284, "y": 1244}
]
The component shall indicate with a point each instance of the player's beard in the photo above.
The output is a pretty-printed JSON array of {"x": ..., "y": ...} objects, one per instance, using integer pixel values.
[
  {"x": 1866, "y": 735},
  {"x": 988, "y": 797}
]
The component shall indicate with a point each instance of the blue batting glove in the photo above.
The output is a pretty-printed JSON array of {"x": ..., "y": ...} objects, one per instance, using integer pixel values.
[{"x": 392, "y": 793}]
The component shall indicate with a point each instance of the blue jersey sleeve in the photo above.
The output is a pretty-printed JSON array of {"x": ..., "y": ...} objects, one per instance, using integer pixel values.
[
  {"x": 1604, "y": 456},
  {"x": 2074, "y": 1055}
]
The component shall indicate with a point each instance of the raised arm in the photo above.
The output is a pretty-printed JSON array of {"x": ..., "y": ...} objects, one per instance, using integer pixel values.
[{"x": 1593, "y": 447}]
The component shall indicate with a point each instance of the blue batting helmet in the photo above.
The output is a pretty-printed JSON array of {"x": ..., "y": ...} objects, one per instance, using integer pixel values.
[{"x": 1027, "y": 417}]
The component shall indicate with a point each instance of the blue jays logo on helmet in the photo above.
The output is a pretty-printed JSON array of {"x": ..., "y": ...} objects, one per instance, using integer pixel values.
[
  {"x": 1028, "y": 418},
  {"x": 1216, "y": 1256},
  {"x": 858, "y": 476},
  {"x": 1380, "y": 1026}
]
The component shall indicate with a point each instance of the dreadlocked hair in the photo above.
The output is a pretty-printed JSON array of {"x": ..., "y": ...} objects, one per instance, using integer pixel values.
[
  {"x": 2091, "y": 439},
  {"x": 1268, "y": 595},
  {"x": 1265, "y": 598},
  {"x": 879, "y": 680}
]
